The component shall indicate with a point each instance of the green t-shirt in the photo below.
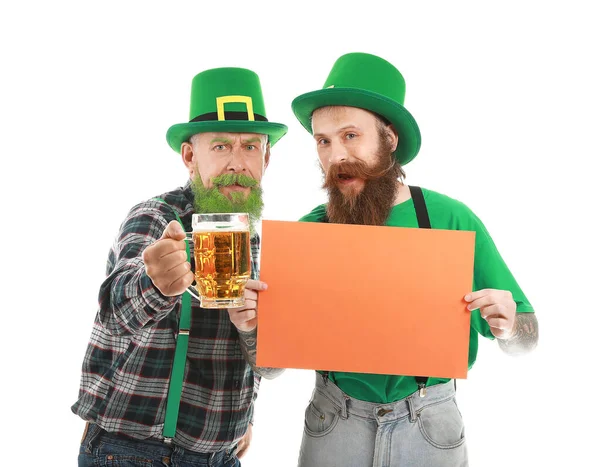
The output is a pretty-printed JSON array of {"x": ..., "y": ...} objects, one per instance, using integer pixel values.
[{"x": 490, "y": 272}]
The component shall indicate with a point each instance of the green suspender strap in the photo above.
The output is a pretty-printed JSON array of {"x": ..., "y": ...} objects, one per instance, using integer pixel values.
[{"x": 178, "y": 369}]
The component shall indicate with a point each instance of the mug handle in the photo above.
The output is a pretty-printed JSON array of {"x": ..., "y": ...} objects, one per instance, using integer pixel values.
[
  {"x": 193, "y": 293},
  {"x": 191, "y": 290}
]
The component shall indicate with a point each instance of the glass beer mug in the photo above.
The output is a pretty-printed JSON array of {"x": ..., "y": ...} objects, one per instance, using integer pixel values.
[{"x": 222, "y": 256}]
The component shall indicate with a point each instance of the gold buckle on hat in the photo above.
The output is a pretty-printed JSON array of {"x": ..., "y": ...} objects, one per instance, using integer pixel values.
[{"x": 221, "y": 101}]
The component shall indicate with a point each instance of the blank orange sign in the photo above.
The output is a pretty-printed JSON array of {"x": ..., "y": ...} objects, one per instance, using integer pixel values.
[{"x": 365, "y": 299}]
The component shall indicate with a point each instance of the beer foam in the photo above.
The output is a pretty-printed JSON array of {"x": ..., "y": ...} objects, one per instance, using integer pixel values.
[{"x": 221, "y": 227}]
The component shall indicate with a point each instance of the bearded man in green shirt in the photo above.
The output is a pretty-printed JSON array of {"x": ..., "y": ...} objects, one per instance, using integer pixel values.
[{"x": 364, "y": 137}]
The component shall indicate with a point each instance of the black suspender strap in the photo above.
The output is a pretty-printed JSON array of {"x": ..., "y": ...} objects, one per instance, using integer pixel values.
[
  {"x": 419, "y": 201},
  {"x": 423, "y": 219}
]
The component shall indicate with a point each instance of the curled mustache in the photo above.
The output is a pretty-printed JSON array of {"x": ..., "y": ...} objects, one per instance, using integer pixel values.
[
  {"x": 357, "y": 169},
  {"x": 234, "y": 179}
]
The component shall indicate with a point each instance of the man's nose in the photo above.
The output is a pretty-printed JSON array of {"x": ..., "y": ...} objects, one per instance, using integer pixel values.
[
  {"x": 236, "y": 162},
  {"x": 338, "y": 153}
]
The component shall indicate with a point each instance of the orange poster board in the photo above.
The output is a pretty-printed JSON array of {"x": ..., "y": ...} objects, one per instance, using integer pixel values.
[{"x": 365, "y": 299}]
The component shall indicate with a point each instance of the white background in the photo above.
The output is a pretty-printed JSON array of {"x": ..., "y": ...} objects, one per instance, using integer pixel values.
[{"x": 506, "y": 97}]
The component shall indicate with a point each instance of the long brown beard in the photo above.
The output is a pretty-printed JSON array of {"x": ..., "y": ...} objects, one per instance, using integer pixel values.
[{"x": 373, "y": 204}]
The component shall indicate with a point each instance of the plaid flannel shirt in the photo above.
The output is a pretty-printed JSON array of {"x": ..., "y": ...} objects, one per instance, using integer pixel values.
[{"x": 127, "y": 365}]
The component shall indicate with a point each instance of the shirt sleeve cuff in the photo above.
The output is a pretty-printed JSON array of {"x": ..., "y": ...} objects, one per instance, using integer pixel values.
[{"x": 153, "y": 298}]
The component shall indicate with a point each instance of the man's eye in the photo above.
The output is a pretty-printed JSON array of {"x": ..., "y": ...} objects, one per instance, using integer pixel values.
[
  {"x": 219, "y": 147},
  {"x": 351, "y": 135},
  {"x": 322, "y": 141},
  {"x": 250, "y": 147}
]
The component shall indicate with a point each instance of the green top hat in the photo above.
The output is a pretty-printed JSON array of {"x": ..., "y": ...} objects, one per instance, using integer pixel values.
[
  {"x": 368, "y": 82},
  {"x": 228, "y": 100}
]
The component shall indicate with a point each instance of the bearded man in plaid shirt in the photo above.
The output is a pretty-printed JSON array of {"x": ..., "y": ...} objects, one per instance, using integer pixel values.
[{"x": 127, "y": 366}]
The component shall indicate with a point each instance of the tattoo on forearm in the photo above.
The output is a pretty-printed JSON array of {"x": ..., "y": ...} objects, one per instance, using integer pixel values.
[
  {"x": 525, "y": 338},
  {"x": 248, "y": 344}
]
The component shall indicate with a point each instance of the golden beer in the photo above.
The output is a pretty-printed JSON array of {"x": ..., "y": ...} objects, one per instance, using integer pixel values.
[{"x": 222, "y": 267}]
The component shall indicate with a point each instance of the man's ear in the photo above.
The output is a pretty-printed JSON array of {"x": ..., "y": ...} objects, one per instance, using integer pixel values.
[
  {"x": 187, "y": 156},
  {"x": 267, "y": 155},
  {"x": 392, "y": 137}
]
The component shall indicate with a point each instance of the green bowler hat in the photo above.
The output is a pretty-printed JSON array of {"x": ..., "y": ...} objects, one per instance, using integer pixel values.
[
  {"x": 225, "y": 100},
  {"x": 368, "y": 82}
]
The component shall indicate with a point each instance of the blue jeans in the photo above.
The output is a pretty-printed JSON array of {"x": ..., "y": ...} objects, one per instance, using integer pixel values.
[
  {"x": 340, "y": 431},
  {"x": 102, "y": 449}
]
